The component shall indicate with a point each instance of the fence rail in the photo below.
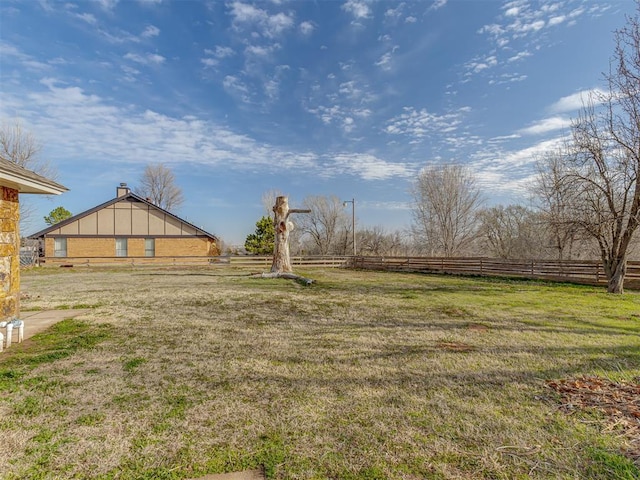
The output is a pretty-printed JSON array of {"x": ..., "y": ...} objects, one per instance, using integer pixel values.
[
  {"x": 576, "y": 271},
  {"x": 223, "y": 260}
]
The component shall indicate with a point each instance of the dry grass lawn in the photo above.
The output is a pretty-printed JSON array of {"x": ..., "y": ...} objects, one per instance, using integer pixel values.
[{"x": 178, "y": 373}]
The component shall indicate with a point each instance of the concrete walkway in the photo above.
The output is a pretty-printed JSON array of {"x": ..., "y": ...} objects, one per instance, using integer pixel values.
[
  {"x": 38, "y": 321},
  {"x": 246, "y": 475}
]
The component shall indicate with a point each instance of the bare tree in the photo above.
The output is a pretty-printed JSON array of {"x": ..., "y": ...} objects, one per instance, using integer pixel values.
[
  {"x": 601, "y": 168},
  {"x": 21, "y": 147},
  {"x": 269, "y": 200},
  {"x": 511, "y": 232},
  {"x": 554, "y": 199},
  {"x": 158, "y": 184},
  {"x": 446, "y": 201},
  {"x": 327, "y": 225},
  {"x": 376, "y": 241}
]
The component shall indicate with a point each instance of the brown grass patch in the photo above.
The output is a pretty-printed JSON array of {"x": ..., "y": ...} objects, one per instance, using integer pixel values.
[
  {"x": 455, "y": 346},
  {"x": 619, "y": 402}
]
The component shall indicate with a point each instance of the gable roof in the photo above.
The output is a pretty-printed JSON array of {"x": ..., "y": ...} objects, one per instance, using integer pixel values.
[
  {"x": 25, "y": 181},
  {"x": 129, "y": 195}
]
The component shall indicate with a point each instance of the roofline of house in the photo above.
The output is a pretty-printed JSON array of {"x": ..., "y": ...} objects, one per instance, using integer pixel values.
[
  {"x": 26, "y": 181},
  {"x": 111, "y": 202}
]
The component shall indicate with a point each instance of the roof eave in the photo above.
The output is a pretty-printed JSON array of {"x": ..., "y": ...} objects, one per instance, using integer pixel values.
[{"x": 26, "y": 185}]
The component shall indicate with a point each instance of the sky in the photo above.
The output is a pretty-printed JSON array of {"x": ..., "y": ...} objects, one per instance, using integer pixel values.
[{"x": 347, "y": 98}]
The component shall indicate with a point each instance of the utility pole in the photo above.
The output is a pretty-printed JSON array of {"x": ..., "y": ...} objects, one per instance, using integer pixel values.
[{"x": 353, "y": 220}]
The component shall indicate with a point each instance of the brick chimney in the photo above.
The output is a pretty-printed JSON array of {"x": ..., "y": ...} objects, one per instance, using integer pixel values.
[{"x": 122, "y": 190}]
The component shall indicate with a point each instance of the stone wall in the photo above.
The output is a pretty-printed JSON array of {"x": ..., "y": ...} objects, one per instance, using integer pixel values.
[{"x": 9, "y": 253}]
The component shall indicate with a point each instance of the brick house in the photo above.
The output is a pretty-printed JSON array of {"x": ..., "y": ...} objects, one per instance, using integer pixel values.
[
  {"x": 14, "y": 181},
  {"x": 126, "y": 226}
]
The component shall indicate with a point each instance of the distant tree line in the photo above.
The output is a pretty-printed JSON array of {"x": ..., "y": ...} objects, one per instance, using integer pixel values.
[{"x": 449, "y": 220}]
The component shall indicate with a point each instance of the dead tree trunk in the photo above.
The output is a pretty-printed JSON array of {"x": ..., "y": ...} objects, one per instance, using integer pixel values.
[
  {"x": 281, "y": 258},
  {"x": 281, "y": 265}
]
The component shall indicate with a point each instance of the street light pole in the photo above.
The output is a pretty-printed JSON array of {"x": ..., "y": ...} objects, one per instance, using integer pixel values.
[{"x": 353, "y": 220}]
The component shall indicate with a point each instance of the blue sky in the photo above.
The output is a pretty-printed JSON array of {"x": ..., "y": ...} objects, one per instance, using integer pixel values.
[{"x": 347, "y": 98}]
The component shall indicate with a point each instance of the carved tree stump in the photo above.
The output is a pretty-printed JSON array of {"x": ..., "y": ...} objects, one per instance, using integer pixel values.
[
  {"x": 283, "y": 227},
  {"x": 281, "y": 265}
]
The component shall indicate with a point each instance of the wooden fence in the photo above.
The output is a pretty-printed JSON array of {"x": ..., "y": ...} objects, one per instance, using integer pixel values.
[
  {"x": 260, "y": 262},
  {"x": 576, "y": 271}
]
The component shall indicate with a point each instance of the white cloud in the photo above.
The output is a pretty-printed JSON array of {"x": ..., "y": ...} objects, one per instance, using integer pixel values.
[
  {"x": 341, "y": 115},
  {"x": 216, "y": 55},
  {"x": 395, "y": 13},
  {"x": 510, "y": 171},
  {"x": 306, "y": 28},
  {"x": 231, "y": 82},
  {"x": 261, "y": 51},
  {"x": 519, "y": 56},
  {"x": 150, "y": 31},
  {"x": 348, "y": 124},
  {"x": 492, "y": 29},
  {"x": 146, "y": 59},
  {"x": 82, "y": 126},
  {"x": 327, "y": 114},
  {"x": 506, "y": 78},
  {"x": 108, "y": 4},
  {"x": 386, "y": 205},
  {"x": 358, "y": 8},
  {"x": 512, "y": 12},
  {"x": 279, "y": 23},
  {"x": 527, "y": 19},
  {"x": 528, "y": 155},
  {"x": 27, "y": 61},
  {"x": 368, "y": 167},
  {"x": 384, "y": 62},
  {"x": 437, "y": 4},
  {"x": 130, "y": 73},
  {"x": 249, "y": 16},
  {"x": 575, "y": 101},
  {"x": 546, "y": 125},
  {"x": 577, "y": 12},
  {"x": 528, "y": 27},
  {"x": 410, "y": 19},
  {"x": 210, "y": 62},
  {"x": 557, "y": 20},
  {"x": 237, "y": 88},
  {"x": 479, "y": 64},
  {"x": 271, "y": 85},
  {"x": 418, "y": 124},
  {"x": 7, "y": 49},
  {"x": 550, "y": 8},
  {"x": 245, "y": 13},
  {"x": 361, "y": 112},
  {"x": 86, "y": 17},
  {"x": 223, "y": 52},
  {"x": 119, "y": 37}
]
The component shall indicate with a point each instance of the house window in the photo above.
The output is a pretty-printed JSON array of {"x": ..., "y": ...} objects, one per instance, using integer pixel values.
[
  {"x": 149, "y": 247},
  {"x": 121, "y": 247},
  {"x": 59, "y": 247}
]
